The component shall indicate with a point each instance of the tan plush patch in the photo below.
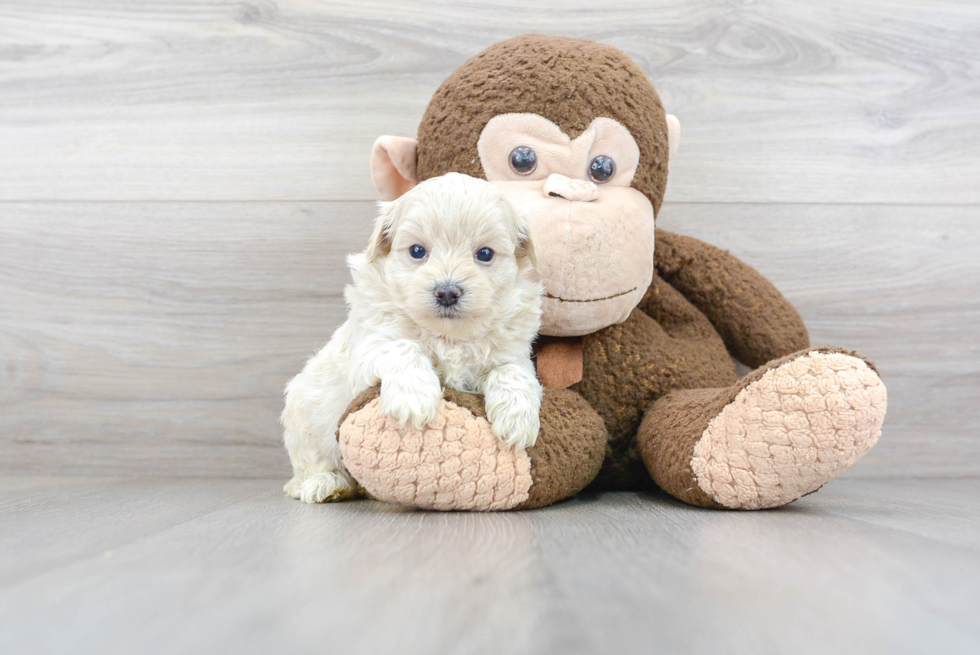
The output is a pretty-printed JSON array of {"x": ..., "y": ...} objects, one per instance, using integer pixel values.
[
  {"x": 455, "y": 463},
  {"x": 557, "y": 154},
  {"x": 560, "y": 363},
  {"x": 594, "y": 258},
  {"x": 796, "y": 428}
]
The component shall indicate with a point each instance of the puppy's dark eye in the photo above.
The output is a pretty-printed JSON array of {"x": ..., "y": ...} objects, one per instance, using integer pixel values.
[
  {"x": 601, "y": 169},
  {"x": 417, "y": 252},
  {"x": 484, "y": 254},
  {"x": 523, "y": 160}
]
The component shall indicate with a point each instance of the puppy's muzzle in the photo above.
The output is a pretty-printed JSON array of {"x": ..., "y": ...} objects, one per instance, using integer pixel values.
[{"x": 448, "y": 295}]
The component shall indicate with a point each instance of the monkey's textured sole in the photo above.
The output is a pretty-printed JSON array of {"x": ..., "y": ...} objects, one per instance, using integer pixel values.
[
  {"x": 455, "y": 463},
  {"x": 791, "y": 431}
]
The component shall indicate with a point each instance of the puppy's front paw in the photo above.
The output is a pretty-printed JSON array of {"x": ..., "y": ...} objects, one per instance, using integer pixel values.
[
  {"x": 322, "y": 488},
  {"x": 514, "y": 419},
  {"x": 411, "y": 399}
]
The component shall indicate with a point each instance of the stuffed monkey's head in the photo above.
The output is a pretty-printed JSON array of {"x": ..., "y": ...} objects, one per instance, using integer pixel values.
[{"x": 575, "y": 135}]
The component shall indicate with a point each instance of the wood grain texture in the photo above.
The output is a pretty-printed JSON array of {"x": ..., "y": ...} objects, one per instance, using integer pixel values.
[
  {"x": 155, "y": 338},
  {"x": 149, "y": 337},
  {"x": 205, "y": 99},
  {"x": 134, "y": 335},
  {"x": 154, "y": 566}
]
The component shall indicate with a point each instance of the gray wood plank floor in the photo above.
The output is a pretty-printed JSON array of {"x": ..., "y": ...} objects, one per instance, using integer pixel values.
[{"x": 162, "y": 566}]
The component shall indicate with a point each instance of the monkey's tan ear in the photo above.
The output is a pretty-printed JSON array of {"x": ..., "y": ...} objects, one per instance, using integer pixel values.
[
  {"x": 673, "y": 136},
  {"x": 384, "y": 227},
  {"x": 393, "y": 162}
]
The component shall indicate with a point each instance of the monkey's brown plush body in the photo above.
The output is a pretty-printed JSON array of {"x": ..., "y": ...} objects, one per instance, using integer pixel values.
[{"x": 642, "y": 336}]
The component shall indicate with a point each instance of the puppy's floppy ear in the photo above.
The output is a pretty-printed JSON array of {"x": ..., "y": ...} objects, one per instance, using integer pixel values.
[
  {"x": 384, "y": 228},
  {"x": 525, "y": 247}
]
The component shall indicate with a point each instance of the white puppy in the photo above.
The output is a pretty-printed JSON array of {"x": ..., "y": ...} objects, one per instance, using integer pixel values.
[{"x": 440, "y": 297}]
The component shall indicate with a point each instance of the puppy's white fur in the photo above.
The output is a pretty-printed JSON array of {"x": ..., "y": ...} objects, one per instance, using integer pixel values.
[{"x": 398, "y": 334}]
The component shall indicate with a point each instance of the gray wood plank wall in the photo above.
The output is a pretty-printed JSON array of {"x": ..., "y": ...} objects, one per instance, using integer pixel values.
[{"x": 179, "y": 182}]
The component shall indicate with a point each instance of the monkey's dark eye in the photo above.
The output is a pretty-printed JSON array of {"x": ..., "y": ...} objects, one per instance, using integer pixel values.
[
  {"x": 523, "y": 160},
  {"x": 601, "y": 169},
  {"x": 417, "y": 252},
  {"x": 484, "y": 254}
]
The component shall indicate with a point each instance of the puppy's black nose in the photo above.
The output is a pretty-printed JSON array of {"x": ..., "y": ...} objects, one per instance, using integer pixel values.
[{"x": 448, "y": 295}]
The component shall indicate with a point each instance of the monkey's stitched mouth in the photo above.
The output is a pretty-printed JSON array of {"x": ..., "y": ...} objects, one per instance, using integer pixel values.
[{"x": 615, "y": 295}]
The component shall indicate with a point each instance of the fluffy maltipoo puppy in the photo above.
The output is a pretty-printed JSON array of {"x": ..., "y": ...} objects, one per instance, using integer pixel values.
[{"x": 440, "y": 297}]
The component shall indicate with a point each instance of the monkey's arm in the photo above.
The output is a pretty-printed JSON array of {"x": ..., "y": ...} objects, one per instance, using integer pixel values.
[{"x": 756, "y": 322}]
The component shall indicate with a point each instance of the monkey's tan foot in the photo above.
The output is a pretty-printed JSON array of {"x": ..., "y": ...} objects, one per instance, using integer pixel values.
[
  {"x": 780, "y": 433},
  {"x": 457, "y": 463}
]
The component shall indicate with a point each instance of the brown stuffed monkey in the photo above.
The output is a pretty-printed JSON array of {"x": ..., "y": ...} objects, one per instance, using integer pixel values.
[{"x": 639, "y": 325}]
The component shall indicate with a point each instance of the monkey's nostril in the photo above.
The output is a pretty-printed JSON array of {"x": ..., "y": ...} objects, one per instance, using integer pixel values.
[
  {"x": 574, "y": 190},
  {"x": 448, "y": 295}
]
